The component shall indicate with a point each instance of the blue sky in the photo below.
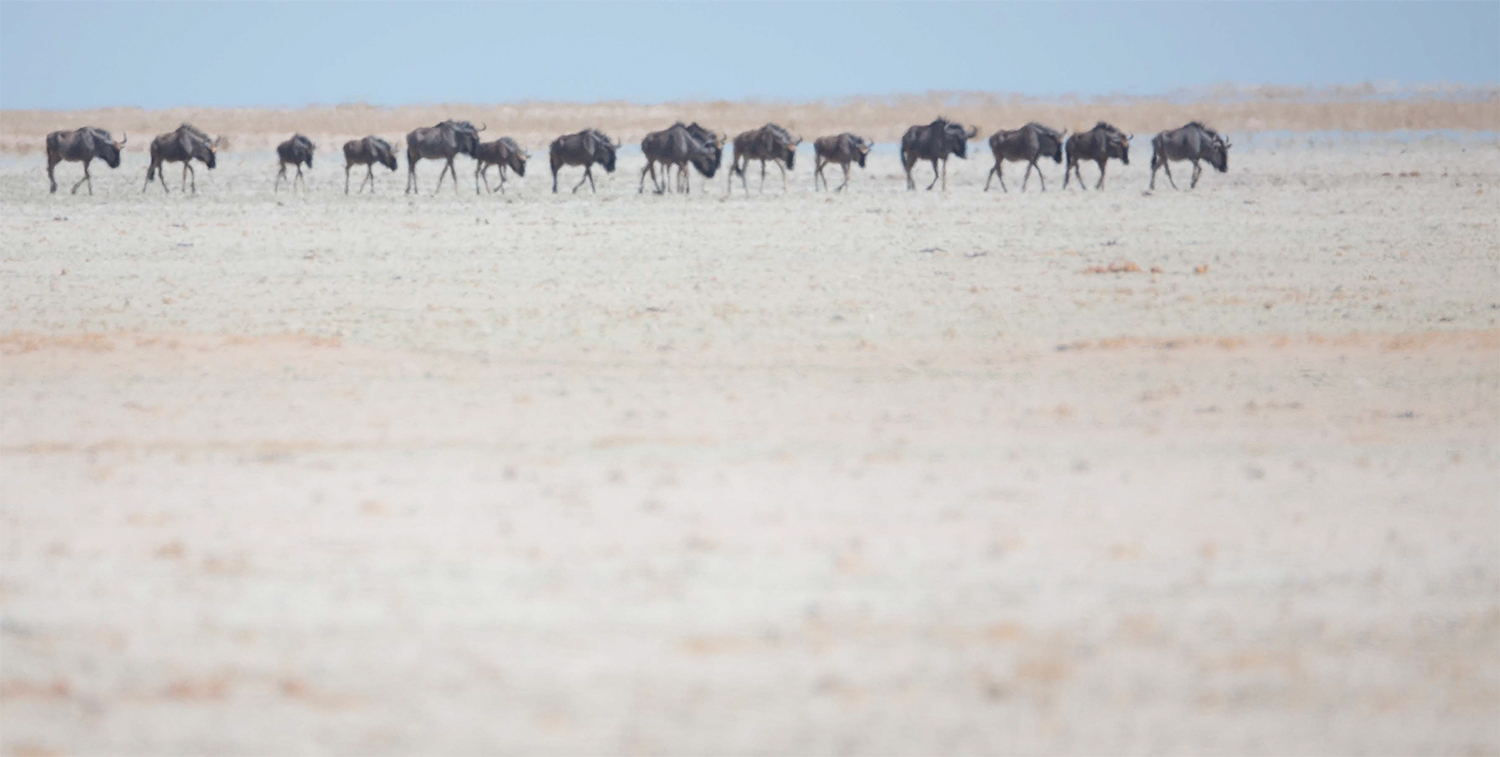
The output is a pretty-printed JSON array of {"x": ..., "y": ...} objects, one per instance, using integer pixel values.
[{"x": 163, "y": 54}]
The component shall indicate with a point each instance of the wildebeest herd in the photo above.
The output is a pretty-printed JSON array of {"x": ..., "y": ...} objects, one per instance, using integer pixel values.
[{"x": 678, "y": 147}]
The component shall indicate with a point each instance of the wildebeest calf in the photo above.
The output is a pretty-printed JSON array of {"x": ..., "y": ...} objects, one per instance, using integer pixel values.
[
  {"x": 1193, "y": 142},
  {"x": 82, "y": 145},
  {"x": 934, "y": 142},
  {"x": 1098, "y": 144},
  {"x": 1029, "y": 143},
  {"x": 770, "y": 142},
  {"x": 184, "y": 145},
  {"x": 295, "y": 151},
  {"x": 585, "y": 148},
  {"x": 842, "y": 149},
  {"x": 367, "y": 152},
  {"x": 502, "y": 153}
]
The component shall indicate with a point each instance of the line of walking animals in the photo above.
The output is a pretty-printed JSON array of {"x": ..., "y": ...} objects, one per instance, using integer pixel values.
[{"x": 677, "y": 146}]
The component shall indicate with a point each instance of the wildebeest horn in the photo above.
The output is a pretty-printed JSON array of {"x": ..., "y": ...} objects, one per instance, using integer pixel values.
[
  {"x": 482, "y": 125},
  {"x": 123, "y": 138}
]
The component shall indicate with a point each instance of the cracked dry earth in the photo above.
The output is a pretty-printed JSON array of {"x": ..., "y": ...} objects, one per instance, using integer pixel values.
[{"x": 1190, "y": 472}]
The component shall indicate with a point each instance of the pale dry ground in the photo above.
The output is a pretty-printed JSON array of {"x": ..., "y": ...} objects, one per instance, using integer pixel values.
[
  {"x": 881, "y": 472},
  {"x": 884, "y": 119}
]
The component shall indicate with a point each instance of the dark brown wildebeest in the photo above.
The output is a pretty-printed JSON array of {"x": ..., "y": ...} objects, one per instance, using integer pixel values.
[
  {"x": 1029, "y": 143},
  {"x": 679, "y": 146},
  {"x": 585, "y": 148},
  {"x": 1193, "y": 142},
  {"x": 294, "y": 152},
  {"x": 708, "y": 137},
  {"x": 934, "y": 142},
  {"x": 1098, "y": 144},
  {"x": 502, "y": 153},
  {"x": 769, "y": 142},
  {"x": 82, "y": 145},
  {"x": 184, "y": 145},
  {"x": 842, "y": 149},
  {"x": 443, "y": 141},
  {"x": 367, "y": 152}
]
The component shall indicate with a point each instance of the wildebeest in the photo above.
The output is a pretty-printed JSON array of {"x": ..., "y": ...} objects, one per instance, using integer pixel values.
[
  {"x": 678, "y": 146},
  {"x": 709, "y": 137},
  {"x": 1029, "y": 143},
  {"x": 842, "y": 149},
  {"x": 184, "y": 145},
  {"x": 502, "y": 153},
  {"x": 82, "y": 145},
  {"x": 367, "y": 152},
  {"x": 1193, "y": 142},
  {"x": 443, "y": 141},
  {"x": 1098, "y": 144},
  {"x": 295, "y": 151},
  {"x": 769, "y": 142},
  {"x": 934, "y": 142},
  {"x": 585, "y": 148}
]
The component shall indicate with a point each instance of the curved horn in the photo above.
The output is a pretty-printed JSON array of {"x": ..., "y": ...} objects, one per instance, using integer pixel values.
[
  {"x": 123, "y": 138},
  {"x": 483, "y": 126}
]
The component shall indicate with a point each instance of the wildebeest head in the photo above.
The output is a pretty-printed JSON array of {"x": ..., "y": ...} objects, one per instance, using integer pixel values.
[
  {"x": 604, "y": 150},
  {"x": 955, "y": 137},
  {"x": 1218, "y": 154},
  {"x": 465, "y": 136},
  {"x": 862, "y": 149},
  {"x": 107, "y": 149}
]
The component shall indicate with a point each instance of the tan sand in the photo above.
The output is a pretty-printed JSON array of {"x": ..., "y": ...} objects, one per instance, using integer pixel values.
[
  {"x": 875, "y": 472},
  {"x": 883, "y": 119}
]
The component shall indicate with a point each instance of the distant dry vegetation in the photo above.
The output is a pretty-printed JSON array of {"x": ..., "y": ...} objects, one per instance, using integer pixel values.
[{"x": 1232, "y": 109}]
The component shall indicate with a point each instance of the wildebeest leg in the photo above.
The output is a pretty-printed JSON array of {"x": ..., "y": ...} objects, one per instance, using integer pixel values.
[
  {"x": 301, "y": 179},
  {"x": 745, "y": 185},
  {"x": 369, "y": 175},
  {"x": 85, "y": 178},
  {"x": 187, "y": 168},
  {"x": 935, "y": 176},
  {"x": 1197, "y": 171},
  {"x": 846, "y": 179},
  {"x": 411, "y": 172},
  {"x": 447, "y": 169},
  {"x": 1000, "y": 174},
  {"x": 1100, "y": 185},
  {"x": 586, "y": 177},
  {"x": 346, "y": 179},
  {"x": 280, "y": 174},
  {"x": 51, "y": 164},
  {"x": 762, "y": 175},
  {"x": 783, "y": 175},
  {"x": 1165, "y": 166},
  {"x": 911, "y": 184},
  {"x": 1027, "y": 177}
]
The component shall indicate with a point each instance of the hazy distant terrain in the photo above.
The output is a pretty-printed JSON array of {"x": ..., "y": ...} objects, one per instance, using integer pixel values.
[
  {"x": 878, "y": 472},
  {"x": 883, "y": 119}
]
